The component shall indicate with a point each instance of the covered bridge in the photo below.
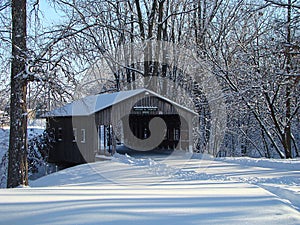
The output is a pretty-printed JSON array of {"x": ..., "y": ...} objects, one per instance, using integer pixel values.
[{"x": 96, "y": 124}]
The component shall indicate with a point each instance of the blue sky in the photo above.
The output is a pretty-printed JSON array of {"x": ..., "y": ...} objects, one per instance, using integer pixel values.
[{"x": 48, "y": 13}]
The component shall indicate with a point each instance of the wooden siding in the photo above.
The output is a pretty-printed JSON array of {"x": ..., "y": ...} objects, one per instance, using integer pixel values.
[
  {"x": 66, "y": 150},
  {"x": 112, "y": 115}
]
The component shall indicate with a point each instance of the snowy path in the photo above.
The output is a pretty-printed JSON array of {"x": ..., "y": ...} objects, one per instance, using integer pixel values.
[
  {"x": 127, "y": 190},
  {"x": 280, "y": 177}
]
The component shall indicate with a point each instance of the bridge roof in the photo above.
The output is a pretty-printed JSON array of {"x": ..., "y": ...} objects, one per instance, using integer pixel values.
[{"x": 95, "y": 103}]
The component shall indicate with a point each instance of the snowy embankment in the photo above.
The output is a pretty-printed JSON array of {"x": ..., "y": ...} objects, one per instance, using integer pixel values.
[
  {"x": 154, "y": 189},
  {"x": 4, "y": 140},
  {"x": 33, "y": 131},
  {"x": 4, "y": 136}
]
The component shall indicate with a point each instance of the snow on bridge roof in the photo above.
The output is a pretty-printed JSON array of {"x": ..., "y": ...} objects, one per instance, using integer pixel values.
[{"x": 95, "y": 103}]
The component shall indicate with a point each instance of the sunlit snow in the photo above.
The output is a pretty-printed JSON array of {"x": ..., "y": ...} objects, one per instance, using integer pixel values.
[{"x": 179, "y": 188}]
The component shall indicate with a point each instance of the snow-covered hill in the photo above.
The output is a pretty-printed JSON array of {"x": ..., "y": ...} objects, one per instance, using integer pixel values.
[{"x": 155, "y": 189}]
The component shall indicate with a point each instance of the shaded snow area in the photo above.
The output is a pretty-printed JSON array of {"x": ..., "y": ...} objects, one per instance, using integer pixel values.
[{"x": 177, "y": 188}]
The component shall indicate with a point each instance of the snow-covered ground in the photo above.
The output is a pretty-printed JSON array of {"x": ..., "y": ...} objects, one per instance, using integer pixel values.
[{"x": 161, "y": 189}]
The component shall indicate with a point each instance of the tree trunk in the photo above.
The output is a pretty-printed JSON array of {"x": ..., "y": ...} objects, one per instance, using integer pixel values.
[
  {"x": 287, "y": 129},
  {"x": 159, "y": 38},
  {"x": 17, "y": 165}
]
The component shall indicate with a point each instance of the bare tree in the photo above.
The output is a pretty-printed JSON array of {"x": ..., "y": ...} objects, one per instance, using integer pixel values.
[{"x": 258, "y": 68}]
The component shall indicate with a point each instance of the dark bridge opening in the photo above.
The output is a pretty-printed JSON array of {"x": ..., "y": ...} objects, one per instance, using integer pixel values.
[{"x": 139, "y": 126}]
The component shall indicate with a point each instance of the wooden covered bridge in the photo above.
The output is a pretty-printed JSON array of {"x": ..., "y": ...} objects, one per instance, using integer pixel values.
[{"x": 97, "y": 124}]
